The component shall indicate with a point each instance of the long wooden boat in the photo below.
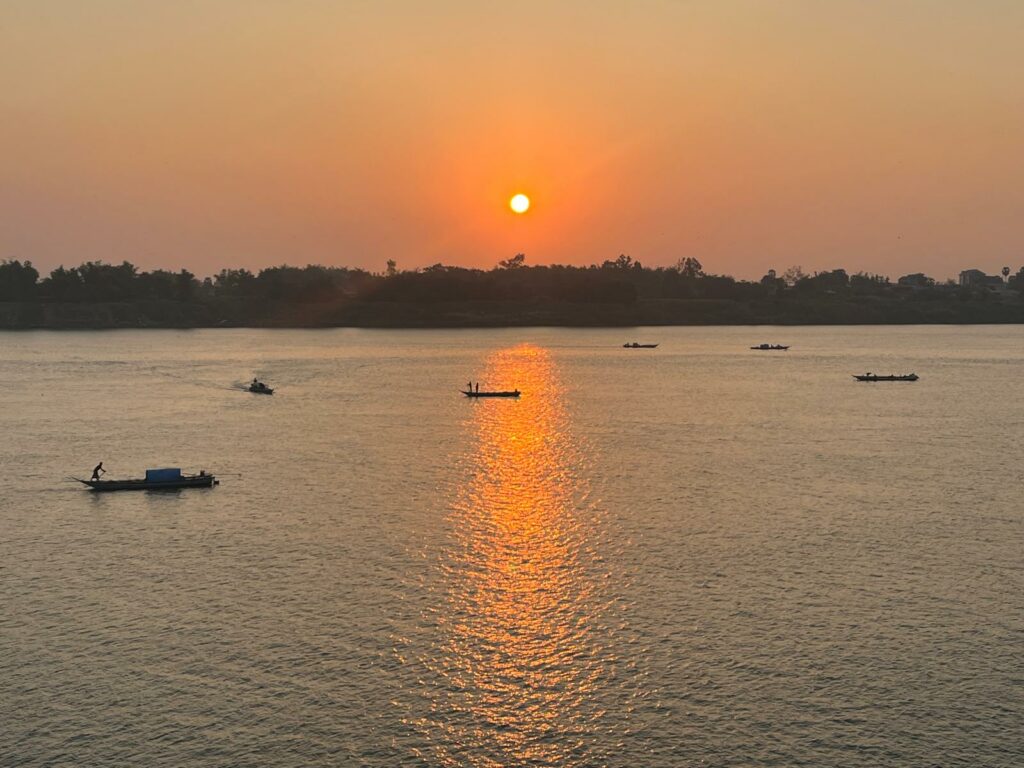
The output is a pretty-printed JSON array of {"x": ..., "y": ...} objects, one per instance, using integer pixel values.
[
  {"x": 260, "y": 389},
  {"x": 890, "y": 377},
  {"x": 634, "y": 345},
  {"x": 155, "y": 480},
  {"x": 771, "y": 346},
  {"x": 469, "y": 393}
]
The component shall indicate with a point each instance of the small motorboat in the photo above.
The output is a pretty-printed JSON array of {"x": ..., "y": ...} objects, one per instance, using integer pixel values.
[
  {"x": 471, "y": 393},
  {"x": 155, "y": 480},
  {"x": 890, "y": 377},
  {"x": 771, "y": 346},
  {"x": 634, "y": 345},
  {"x": 259, "y": 388}
]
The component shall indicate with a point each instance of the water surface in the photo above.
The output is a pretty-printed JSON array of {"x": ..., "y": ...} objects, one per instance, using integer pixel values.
[{"x": 693, "y": 555}]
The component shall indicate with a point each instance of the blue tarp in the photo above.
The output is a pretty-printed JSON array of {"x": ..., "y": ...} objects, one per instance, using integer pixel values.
[{"x": 162, "y": 475}]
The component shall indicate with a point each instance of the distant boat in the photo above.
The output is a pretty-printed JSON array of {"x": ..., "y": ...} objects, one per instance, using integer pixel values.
[
  {"x": 634, "y": 345},
  {"x": 259, "y": 388},
  {"x": 470, "y": 393},
  {"x": 771, "y": 346},
  {"x": 890, "y": 377},
  {"x": 155, "y": 480}
]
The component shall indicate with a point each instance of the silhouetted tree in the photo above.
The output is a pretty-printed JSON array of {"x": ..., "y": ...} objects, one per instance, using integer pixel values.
[
  {"x": 1017, "y": 281},
  {"x": 158, "y": 284},
  {"x": 622, "y": 262},
  {"x": 515, "y": 262},
  {"x": 234, "y": 282},
  {"x": 17, "y": 281},
  {"x": 63, "y": 285},
  {"x": 794, "y": 275},
  {"x": 185, "y": 285},
  {"x": 690, "y": 267},
  {"x": 106, "y": 282}
]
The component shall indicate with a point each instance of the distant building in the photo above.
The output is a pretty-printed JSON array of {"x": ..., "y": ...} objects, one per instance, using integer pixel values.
[
  {"x": 918, "y": 280},
  {"x": 972, "y": 278}
]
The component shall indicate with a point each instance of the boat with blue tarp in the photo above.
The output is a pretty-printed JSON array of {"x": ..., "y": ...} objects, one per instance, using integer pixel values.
[{"x": 163, "y": 479}]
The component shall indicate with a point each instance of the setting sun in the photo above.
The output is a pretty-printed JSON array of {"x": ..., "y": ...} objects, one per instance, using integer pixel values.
[{"x": 519, "y": 203}]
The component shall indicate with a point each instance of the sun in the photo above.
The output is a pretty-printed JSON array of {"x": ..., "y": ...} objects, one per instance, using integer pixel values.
[{"x": 519, "y": 203}]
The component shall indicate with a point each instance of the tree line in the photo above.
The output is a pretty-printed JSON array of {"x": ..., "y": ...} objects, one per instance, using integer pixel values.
[{"x": 616, "y": 281}]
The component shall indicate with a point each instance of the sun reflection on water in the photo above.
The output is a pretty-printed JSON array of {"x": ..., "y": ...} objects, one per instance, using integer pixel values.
[{"x": 517, "y": 660}]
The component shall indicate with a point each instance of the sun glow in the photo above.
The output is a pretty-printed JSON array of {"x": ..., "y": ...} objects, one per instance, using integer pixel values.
[
  {"x": 519, "y": 203},
  {"x": 520, "y": 656}
]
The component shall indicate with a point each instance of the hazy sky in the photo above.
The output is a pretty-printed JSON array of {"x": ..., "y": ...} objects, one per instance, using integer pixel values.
[{"x": 878, "y": 136}]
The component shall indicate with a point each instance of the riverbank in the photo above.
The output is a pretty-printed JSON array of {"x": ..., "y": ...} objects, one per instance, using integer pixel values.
[{"x": 868, "y": 310}]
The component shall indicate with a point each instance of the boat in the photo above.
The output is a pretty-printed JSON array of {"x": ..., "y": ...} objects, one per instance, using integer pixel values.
[
  {"x": 155, "y": 480},
  {"x": 471, "y": 393},
  {"x": 771, "y": 346},
  {"x": 259, "y": 388},
  {"x": 890, "y": 377},
  {"x": 634, "y": 345}
]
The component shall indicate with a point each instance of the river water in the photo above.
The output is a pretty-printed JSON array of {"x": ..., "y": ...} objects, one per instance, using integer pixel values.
[{"x": 693, "y": 555}]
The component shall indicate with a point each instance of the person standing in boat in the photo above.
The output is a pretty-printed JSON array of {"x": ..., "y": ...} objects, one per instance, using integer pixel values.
[
  {"x": 469, "y": 386},
  {"x": 478, "y": 386},
  {"x": 97, "y": 471}
]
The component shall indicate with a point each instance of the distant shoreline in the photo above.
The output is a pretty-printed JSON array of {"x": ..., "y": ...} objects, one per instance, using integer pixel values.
[
  {"x": 503, "y": 314},
  {"x": 615, "y": 294}
]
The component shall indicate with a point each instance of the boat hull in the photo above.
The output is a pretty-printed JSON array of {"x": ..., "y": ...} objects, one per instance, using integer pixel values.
[
  {"x": 188, "y": 481},
  {"x": 871, "y": 377},
  {"x": 514, "y": 393}
]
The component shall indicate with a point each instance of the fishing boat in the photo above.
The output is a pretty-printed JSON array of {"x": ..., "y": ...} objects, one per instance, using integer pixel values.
[
  {"x": 471, "y": 393},
  {"x": 155, "y": 480},
  {"x": 890, "y": 377},
  {"x": 634, "y": 345},
  {"x": 771, "y": 346},
  {"x": 259, "y": 388}
]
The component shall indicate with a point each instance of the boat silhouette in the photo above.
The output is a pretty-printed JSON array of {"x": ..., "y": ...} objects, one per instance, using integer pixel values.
[
  {"x": 470, "y": 393},
  {"x": 890, "y": 377}
]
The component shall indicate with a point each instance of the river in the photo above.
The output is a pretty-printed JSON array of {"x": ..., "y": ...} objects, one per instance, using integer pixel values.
[{"x": 692, "y": 555}]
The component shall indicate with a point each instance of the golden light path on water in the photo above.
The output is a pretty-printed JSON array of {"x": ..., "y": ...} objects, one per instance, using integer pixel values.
[{"x": 524, "y": 653}]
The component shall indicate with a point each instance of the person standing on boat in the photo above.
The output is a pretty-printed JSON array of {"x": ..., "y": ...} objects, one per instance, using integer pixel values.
[
  {"x": 469, "y": 386},
  {"x": 478, "y": 386},
  {"x": 98, "y": 470}
]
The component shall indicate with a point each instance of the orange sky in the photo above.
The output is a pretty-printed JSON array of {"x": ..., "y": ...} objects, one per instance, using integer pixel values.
[{"x": 886, "y": 137}]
